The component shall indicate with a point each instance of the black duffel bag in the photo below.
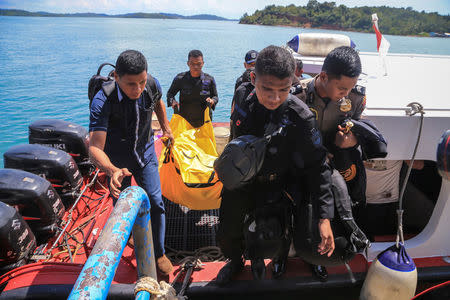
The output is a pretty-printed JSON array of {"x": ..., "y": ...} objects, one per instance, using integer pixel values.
[{"x": 348, "y": 237}]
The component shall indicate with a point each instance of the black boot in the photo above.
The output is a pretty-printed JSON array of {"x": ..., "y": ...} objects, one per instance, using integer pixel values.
[
  {"x": 320, "y": 272},
  {"x": 258, "y": 269},
  {"x": 279, "y": 267},
  {"x": 225, "y": 274}
]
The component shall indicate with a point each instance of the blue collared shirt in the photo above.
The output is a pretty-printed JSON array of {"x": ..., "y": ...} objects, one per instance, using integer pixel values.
[{"x": 130, "y": 138}]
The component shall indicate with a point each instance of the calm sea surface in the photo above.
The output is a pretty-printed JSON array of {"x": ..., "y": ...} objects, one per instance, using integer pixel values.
[{"x": 46, "y": 63}]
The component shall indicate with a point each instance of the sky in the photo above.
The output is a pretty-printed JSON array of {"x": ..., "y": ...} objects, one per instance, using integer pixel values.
[{"x": 232, "y": 9}]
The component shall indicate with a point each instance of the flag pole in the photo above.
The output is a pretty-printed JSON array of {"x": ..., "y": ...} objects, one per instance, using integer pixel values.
[{"x": 382, "y": 44}]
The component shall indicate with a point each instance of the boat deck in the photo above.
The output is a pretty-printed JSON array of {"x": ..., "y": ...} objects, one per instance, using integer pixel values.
[{"x": 406, "y": 78}]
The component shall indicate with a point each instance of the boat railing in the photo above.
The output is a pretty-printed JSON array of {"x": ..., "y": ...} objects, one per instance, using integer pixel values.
[{"x": 131, "y": 214}]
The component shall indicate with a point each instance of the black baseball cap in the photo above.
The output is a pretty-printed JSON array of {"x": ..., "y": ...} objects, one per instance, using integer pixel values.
[{"x": 250, "y": 57}]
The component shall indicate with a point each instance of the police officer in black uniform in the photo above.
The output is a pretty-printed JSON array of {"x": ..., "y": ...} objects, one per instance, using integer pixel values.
[
  {"x": 296, "y": 154},
  {"x": 249, "y": 65},
  {"x": 197, "y": 91}
]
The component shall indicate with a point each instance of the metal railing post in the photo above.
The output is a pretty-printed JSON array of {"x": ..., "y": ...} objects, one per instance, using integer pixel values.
[
  {"x": 98, "y": 272},
  {"x": 143, "y": 247}
]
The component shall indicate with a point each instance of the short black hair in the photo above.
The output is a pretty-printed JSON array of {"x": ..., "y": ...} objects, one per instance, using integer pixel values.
[
  {"x": 299, "y": 64},
  {"x": 275, "y": 61},
  {"x": 195, "y": 53},
  {"x": 342, "y": 61},
  {"x": 131, "y": 62}
]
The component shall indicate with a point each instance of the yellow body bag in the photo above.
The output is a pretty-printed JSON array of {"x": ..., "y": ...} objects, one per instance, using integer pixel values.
[{"x": 186, "y": 168}]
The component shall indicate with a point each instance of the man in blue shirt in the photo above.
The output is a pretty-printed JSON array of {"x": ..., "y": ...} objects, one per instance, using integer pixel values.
[{"x": 121, "y": 137}]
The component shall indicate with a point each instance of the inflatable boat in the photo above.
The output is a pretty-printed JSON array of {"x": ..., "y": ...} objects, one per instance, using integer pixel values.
[{"x": 55, "y": 205}]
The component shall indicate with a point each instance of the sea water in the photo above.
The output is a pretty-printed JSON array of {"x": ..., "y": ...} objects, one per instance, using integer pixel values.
[{"x": 46, "y": 63}]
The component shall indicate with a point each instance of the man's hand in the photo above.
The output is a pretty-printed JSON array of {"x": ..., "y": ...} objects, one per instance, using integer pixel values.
[
  {"x": 345, "y": 140},
  {"x": 116, "y": 181},
  {"x": 210, "y": 101},
  {"x": 326, "y": 246},
  {"x": 175, "y": 104},
  {"x": 167, "y": 138}
]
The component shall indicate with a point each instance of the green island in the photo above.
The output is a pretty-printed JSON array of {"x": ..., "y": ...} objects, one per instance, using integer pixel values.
[
  {"x": 24, "y": 13},
  {"x": 326, "y": 15}
]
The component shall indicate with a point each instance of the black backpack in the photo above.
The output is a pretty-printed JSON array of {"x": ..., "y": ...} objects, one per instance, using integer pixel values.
[
  {"x": 98, "y": 82},
  {"x": 349, "y": 239}
]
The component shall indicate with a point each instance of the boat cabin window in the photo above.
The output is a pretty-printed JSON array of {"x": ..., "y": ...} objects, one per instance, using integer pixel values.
[{"x": 384, "y": 183}]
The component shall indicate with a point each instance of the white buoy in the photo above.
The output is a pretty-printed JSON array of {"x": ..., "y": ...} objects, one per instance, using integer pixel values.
[{"x": 393, "y": 275}]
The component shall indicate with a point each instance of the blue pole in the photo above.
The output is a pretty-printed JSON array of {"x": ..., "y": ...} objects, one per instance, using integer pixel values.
[
  {"x": 143, "y": 247},
  {"x": 98, "y": 272},
  {"x": 143, "y": 295}
]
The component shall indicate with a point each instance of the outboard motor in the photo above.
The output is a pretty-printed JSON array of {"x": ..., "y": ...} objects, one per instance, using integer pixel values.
[
  {"x": 69, "y": 137},
  {"x": 36, "y": 200},
  {"x": 56, "y": 166},
  {"x": 17, "y": 241}
]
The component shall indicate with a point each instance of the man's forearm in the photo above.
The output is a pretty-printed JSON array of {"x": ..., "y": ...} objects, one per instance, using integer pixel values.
[
  {"x": 173, "y": 90},
  {"x": 99, "y": 158}
]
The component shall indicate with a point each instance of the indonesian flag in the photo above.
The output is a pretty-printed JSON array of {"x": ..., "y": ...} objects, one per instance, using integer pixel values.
[{"x": 382, "y": 44}]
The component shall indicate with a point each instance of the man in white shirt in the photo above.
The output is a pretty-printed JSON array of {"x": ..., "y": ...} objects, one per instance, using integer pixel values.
[{"x": 382, "y": 194}]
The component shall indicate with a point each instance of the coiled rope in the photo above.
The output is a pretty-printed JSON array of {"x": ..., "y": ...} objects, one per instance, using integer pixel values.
[
  {"x": 204, "y": 254},
  {"x": 158, "y": 291}
]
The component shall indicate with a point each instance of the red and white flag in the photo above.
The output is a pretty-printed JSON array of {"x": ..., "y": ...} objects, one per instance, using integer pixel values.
[{"x": 382, "y": 44}]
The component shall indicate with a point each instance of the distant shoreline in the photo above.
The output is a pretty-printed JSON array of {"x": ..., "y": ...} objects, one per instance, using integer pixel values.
[{"x": 138, "y": 15}]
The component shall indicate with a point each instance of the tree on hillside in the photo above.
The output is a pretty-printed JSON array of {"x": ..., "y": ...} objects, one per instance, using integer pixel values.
[{"x": 400, "y": 21}]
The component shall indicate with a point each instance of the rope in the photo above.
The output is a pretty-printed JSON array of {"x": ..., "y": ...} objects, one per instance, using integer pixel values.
[
  {"x": 196, "y": 262},
  {"x": 161, "y": 291},
  {"x": 415, "y": 108},
  {"x": 205, "y": 254}
]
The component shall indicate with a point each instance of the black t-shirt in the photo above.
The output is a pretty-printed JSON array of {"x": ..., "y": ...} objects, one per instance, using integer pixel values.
[
  {"x": 193, "y": 94},
  {"x": 245, "y": 77}
]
